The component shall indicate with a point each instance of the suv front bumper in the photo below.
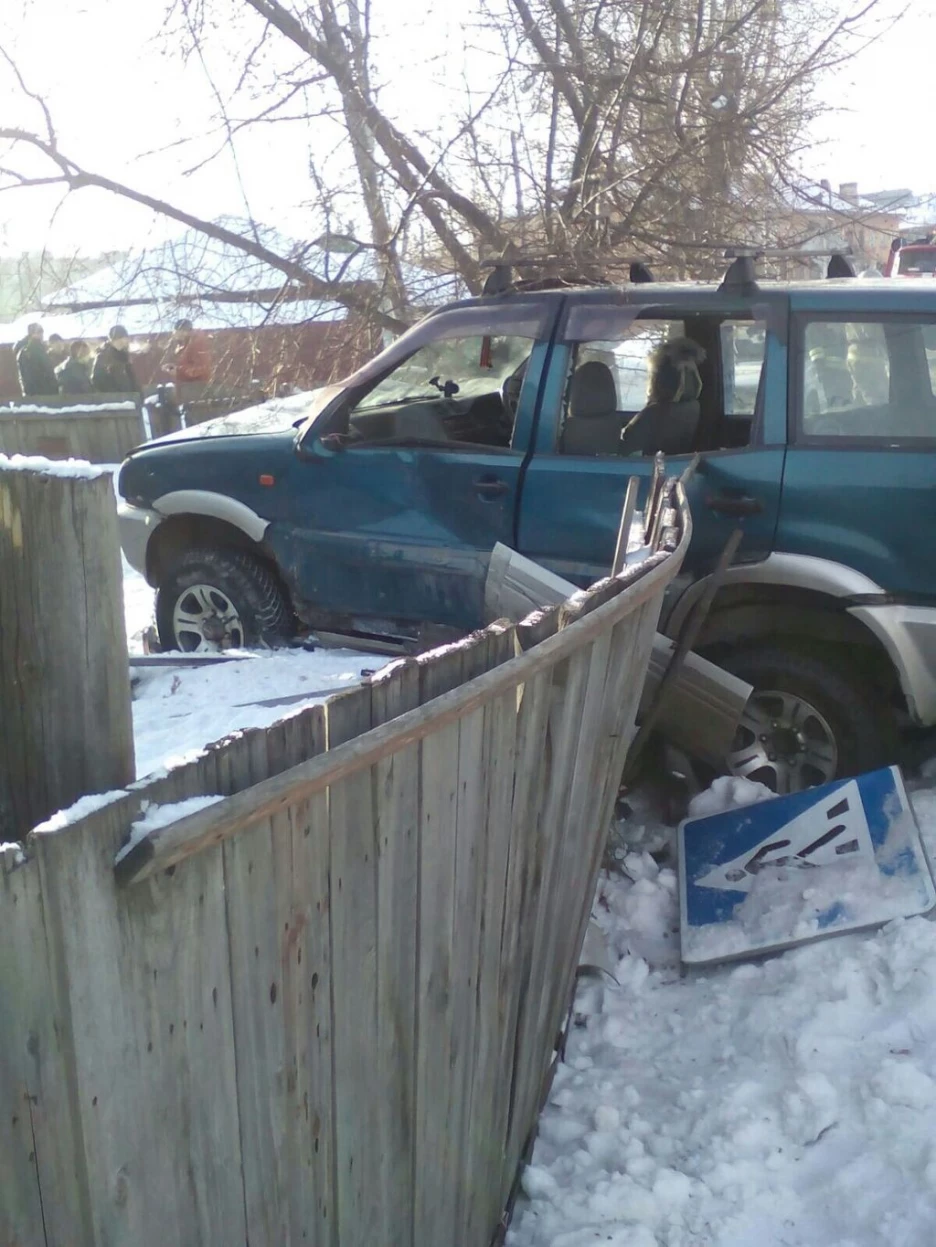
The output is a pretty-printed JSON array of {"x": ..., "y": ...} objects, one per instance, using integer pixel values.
[
  {"x": 136, "y": 525},
  {"x": 908, "y": 633}
]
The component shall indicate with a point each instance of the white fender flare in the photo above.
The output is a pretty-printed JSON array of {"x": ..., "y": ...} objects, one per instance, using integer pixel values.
[{"x": 218, "y": 506}]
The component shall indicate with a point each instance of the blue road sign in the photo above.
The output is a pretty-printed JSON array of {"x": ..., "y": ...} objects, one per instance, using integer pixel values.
[{"x": 837, "y": 858}]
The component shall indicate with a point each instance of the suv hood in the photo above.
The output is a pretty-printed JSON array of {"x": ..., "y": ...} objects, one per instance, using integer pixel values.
[{"x": 276, "y": 415}]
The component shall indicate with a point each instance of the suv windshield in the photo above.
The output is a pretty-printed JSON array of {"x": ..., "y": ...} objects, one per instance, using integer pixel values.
[{"x": 467, "y": 367}]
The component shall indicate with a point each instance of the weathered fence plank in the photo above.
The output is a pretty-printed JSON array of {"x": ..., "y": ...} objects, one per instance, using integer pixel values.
[
  {"x": 354, "y": 860},
  {"x": 34, "y": 1086},
  {"x": 524, "y": 881},
  {"x": 66, "y": 726},
  {"x": 307, "y": 991},
  {"x": 256, "y": 882},
  {"x": 488, "y": 1098},
  {"x": 435, "y": 1146},
  {"x": 397, "y": 813},
  {"x": 158, "y": 1116},
  {"x": 568, "y": 697}
]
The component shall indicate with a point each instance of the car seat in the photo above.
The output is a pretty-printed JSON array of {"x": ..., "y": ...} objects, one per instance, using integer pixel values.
[
  {"x": 670, "y": 420},
  {"x": 593, "y": 425}
]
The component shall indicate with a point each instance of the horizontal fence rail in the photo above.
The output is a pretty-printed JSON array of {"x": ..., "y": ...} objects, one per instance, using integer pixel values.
[
  {"x": 324, "y": 1008},
  {"x": 73, "y": 427}
]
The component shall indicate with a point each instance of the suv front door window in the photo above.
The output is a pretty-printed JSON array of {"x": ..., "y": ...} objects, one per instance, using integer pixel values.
[{"x": 453, "y": 390}]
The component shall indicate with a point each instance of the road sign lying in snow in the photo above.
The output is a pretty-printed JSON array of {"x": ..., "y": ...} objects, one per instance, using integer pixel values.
[{"x": 769, "y": 876}]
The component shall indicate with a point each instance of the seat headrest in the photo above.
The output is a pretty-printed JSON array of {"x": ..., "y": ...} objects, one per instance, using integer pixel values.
[
  {"x": 592, "y": 391},
  {"x": 674, "y": 371}
]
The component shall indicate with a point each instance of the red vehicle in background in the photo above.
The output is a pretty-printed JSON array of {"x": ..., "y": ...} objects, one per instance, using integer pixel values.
[{"x": 912, "y": 259}]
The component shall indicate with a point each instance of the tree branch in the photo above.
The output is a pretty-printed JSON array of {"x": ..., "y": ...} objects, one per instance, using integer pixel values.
[{"x": 71, "y": 175}]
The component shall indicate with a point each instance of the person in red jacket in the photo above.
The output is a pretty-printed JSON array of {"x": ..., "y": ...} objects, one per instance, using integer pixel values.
[{"x": 191, "y": 362}]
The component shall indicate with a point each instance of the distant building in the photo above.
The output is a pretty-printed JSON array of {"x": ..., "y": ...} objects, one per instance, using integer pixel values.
[{"x": 814, "y": 217}]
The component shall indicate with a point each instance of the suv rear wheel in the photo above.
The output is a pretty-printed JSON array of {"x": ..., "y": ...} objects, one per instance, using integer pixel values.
[
  {"x": 807, "y": 721},
  {"x": 213, "y": 600}
]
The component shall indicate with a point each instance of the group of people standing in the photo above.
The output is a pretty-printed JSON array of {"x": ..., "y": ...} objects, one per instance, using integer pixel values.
[{"x": 54, "y": 368}]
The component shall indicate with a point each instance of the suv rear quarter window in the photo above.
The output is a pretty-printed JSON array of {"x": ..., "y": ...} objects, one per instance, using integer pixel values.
[{"x": 868, "y": 381}]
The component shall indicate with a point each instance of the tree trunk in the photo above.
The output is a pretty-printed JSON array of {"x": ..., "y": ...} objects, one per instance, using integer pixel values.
[{"x": 65, "y": 720}]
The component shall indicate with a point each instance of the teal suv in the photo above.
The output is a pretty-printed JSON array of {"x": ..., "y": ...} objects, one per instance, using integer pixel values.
[{"x": 370, "y": 508}]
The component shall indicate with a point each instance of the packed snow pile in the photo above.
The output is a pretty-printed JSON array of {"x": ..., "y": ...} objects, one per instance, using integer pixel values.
[
  {"x": 179, "y": 710},
  {"x": 156, "y": 816},
  {"x": 74, "y": 409},
  {"x": 786, "y": 1102},
  {"x": 79, "y": 469}
]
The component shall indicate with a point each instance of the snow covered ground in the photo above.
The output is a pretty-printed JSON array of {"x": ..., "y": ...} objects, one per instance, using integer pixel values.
[
  {"x": 788, "y": 1102},
  {"x": 178, "y": 711}
]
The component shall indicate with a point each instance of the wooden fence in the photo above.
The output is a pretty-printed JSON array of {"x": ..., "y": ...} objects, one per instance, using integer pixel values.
[
  {"x": 324, "y": 1009},
  {"x": 73, "y": 427}
]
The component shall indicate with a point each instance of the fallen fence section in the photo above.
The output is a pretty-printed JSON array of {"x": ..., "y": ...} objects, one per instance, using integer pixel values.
[
  {"x": 74, "y": 427},
  {"x": 331, "y": 1019}
]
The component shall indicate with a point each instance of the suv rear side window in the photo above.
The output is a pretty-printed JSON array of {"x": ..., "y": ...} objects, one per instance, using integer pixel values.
[
  {"x": 639, "y": 384},
  {"x": 869, "y": 380}
]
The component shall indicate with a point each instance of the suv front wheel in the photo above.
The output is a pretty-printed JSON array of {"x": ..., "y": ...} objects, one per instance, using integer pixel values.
[
  {"x": 213, "y": 600},
  {"x": 807, "y": 722}
]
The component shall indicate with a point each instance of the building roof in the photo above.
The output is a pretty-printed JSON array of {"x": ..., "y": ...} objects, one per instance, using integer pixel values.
[{"x": 218, "y": 286}]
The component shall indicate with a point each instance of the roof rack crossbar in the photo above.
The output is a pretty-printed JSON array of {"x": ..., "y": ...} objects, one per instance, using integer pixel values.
[{"x": 501, "y": 278}]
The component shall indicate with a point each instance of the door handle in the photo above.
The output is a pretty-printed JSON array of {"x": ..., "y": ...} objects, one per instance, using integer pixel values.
[
  {"x": 490, "y": 487},
  {"x": 734, "y": 504}
]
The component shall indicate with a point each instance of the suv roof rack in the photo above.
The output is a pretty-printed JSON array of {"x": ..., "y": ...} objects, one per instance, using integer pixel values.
[
  {"x": 741, "y": 274},
  {"x": 501, "y": 279}
]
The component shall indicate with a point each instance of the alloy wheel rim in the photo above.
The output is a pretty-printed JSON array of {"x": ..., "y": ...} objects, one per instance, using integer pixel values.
[
  {"x": 783, "y": 741},
  {"x": 205, "y": 620}
]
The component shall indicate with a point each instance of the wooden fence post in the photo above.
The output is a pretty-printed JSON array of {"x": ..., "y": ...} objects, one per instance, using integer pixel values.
[{"x": 65, "y": 720}]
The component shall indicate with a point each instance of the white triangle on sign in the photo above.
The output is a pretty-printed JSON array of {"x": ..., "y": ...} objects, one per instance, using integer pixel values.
[{"x": 835, "y": 829}]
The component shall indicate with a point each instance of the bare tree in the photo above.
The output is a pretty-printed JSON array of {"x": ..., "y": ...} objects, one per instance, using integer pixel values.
[
  {"x": 671, "y": 123},
  {"x": 604, "y": 130}
]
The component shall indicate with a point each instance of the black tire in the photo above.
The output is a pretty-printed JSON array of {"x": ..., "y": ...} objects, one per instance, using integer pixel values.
[
  {"x": 264, "y": 615},
  {"x": 862, "y": 727}
]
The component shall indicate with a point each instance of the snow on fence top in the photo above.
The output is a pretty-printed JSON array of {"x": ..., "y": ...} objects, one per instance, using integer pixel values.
[
  {"x": 79, "y": 409},
  {"x": 75, "y": 468}
]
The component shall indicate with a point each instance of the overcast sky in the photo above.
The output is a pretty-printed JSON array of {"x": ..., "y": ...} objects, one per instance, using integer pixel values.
[{"x": 117, "y": 95}]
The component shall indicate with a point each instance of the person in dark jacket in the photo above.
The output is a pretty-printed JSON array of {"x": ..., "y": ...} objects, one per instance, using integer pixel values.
[
  {"x": 57, "y": 350},
  {"x": 74, "y": 375},
  {"x": 113, "y": 372},
  {"x": 37, "y": 376}
]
